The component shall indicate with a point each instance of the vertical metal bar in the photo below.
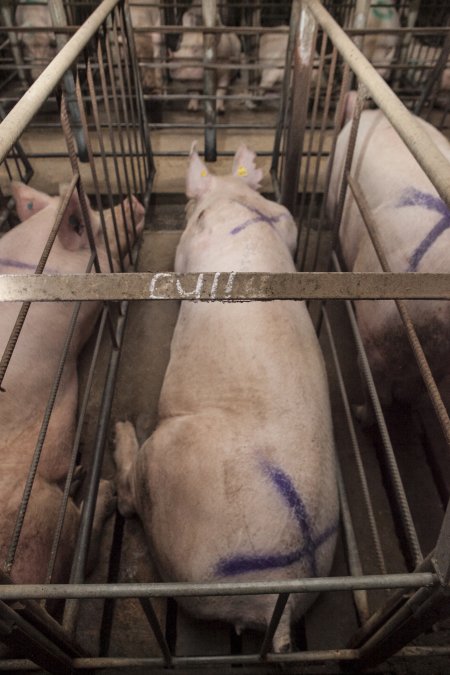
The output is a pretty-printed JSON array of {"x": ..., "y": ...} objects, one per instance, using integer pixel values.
[
  {"x": 273, "y": 625},
  {"x": 438, "y": 405},
  {"x": 285, "y": 97},
  {"x": 87, "y": 515},
  {"x": 209, "y": 9},
  {"x": 75, "y": 448},
  {"x": 356, "y": 450},
  {"x": 303, "y": 61},
  {"x": 412, "y": 541},
  {"x": 59, "y": 19},
  {"x": 15, "y": 49},
  {"x": 157, "y": 630},
  {"x": 433, "y": 76}
]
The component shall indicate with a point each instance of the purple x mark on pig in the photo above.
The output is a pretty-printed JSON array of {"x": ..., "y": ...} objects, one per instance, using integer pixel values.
[
  {"x": 242, "y": 563},
  {"x": 413, "y": 197},
  {"x": 259, "y": 217}
]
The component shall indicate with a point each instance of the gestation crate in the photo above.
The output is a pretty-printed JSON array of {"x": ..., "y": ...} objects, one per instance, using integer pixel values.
[{"x": 107, "y": 313}]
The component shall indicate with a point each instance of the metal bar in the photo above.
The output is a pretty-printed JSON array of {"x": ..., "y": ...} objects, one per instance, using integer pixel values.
[
  {"x": 410, "y": 534},
  {"x": 16, "y": 121},
  {"x": 440, "y": 557},
  {"x": 15, "y": 333},
  {"x": 273, "y": 624},
  {"x": 209, "y": 12},
  {"x": 429, "y": 157},
  {"x": 75, "y": 449},
  {"x": 15, "y": 49},
  {"x": 21, "y": 636},
  {"x": 303, "y": 59},
  {"x": 419, "y": 354},
  {"x": 58, "y": 18},
  {"x": 150, "y": 614},
  {"x": 224, "y": 286},
  {"x": 182, "y": 589}
]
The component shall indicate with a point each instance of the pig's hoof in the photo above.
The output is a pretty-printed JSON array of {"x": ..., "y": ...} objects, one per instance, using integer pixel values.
[
  {"x": 193, "y": 106},
  {"x": 77, "y": 479},
  {"x": 107, "y": 498},
  {"x": 281, "y": 645}
]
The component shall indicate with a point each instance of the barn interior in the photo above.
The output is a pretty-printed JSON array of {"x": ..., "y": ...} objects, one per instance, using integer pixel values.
[{"x": 98, "y": 114}]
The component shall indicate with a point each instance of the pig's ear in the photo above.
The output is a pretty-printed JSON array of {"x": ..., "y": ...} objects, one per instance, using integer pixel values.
[
  {"x": 28, "y": 200},
  {"x": 198, "y": 179},
  {"x": 72, "y": 231},
  {"x": 244, "y": 167}
]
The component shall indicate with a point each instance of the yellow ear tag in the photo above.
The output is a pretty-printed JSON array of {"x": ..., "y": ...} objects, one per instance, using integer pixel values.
[
  {"x": 203, "y": 173},
  {"x": 242, "y": 171}
]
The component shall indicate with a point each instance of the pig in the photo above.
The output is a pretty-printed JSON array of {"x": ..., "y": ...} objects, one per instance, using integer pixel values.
[
  {"x": 237, "y": 482},
  {"x": 413, "y": 224},
  {"x": 380, "y": 48},
  {"x": 272, "y": 49},
  {"x": 39, "y": 46},
  {"x": 149, "y": 46},
  {"x": 228, "y": 50},
  {"x": 30, "y": 375}
]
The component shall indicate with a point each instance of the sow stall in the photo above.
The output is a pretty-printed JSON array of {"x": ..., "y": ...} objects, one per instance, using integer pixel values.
[{"x": 387, "y": 594}]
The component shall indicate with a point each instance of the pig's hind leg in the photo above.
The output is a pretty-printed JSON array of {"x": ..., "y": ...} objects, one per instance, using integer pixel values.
[{"x": 124, "y": 456}]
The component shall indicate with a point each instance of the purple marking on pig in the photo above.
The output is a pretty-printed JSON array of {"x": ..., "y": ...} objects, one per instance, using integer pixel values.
[
  {"x": 413, "y": 197},
  {"x": 8, "y": 262},
  {"x": 260, "y": 217},
  {"x": 240, "y": 564}
]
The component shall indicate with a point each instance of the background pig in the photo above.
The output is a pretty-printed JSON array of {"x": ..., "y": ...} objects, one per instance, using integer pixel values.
[
  {"x": 380, "y": 48},
  {"x": 30, "y": 376},
  {"x": 237, "y": 482},
  {"x": 40, "y": 46},
  {"x": 228, "y": 50},
  {"x": 149, "y": 46},
  {"x": 413, "y": 224},
  {"x": 272, "y": 49}
]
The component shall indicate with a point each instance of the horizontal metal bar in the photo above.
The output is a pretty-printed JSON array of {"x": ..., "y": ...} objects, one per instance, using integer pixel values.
[
  {"x": 223, "y": 286},
  {"x": 311, "y": 656},
  {"x": 180, "y": 590},
  {"x": 16, "y": 121}
]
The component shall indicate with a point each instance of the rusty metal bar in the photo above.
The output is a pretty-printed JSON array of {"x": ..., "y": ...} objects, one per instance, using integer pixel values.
[
  {"x": 224, "y": 286},
  {"x": 16, "y": 121}
]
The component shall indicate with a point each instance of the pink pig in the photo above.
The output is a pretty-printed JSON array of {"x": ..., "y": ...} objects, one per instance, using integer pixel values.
[
  {"x": 237, "y": 482},
  {"x": 413, "y": 224},
  {"x": 30, "y": 374}
]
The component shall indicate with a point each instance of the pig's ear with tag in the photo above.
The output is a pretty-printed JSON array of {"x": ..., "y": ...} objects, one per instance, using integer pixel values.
[
  {"x": 198, "y": 179},
  {"x": 244, "y": 167},
  {"x": 72, "y": 231},
  {"x": 28, "y": 200}
]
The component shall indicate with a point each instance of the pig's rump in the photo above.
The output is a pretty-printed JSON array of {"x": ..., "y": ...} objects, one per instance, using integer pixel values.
[{"x": 240, "y": 471}]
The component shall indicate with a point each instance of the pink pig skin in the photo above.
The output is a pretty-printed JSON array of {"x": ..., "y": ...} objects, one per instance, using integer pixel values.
[
  {"x": 30, "y": 375},
  {"x": 237, "y": 482},
  {"x": 407, "y": 209}
]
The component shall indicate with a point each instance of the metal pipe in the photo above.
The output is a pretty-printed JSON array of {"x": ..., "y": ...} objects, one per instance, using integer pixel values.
[
  {"x": 58, "y": 18},
  {"x": 209, "y": 11},
  {"x": 23, "y": 112},
  {"x": 15, "y": 49},
  {"x": 303, "y": 60},
  {"x": 225, "y": 286},
  {"x": 185, "y": 590},
  {"x": 422, "y": 147}
]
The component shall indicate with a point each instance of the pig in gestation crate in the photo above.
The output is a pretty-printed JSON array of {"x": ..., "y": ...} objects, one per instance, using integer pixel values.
[{"x": 261, "y": 506}]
